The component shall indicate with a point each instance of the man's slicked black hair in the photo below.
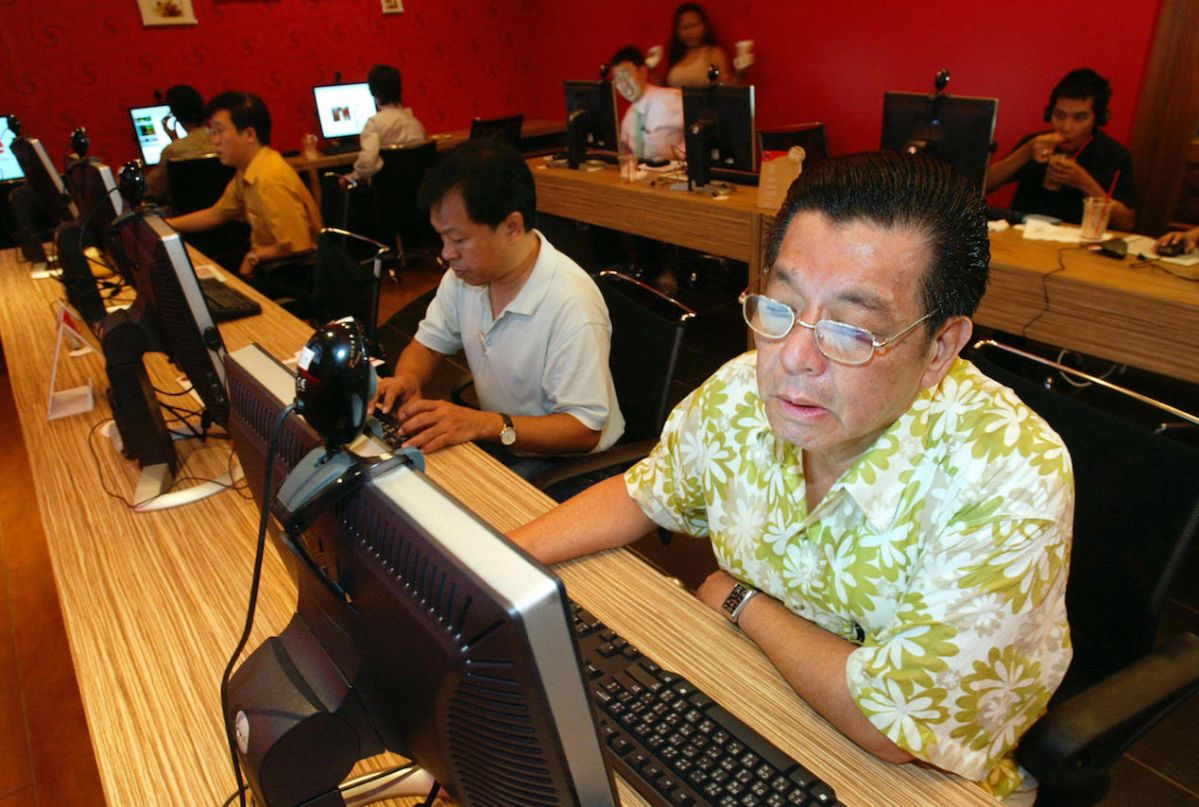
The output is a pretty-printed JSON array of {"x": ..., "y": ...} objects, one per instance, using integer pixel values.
[
  {"x": 492, "y": 178},
  {"x": 903, "y": 190},
  {"x": 244, "y": 110}
]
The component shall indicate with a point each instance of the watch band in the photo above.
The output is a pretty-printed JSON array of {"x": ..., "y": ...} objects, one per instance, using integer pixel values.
[{"x": 734, "y": 604}]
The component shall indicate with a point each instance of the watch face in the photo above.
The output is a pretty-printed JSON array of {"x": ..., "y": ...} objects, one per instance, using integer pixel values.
[{"x": 508, "y": 436}]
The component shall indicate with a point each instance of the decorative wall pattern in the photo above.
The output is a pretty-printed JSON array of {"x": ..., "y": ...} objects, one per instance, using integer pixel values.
[{"x": 67, "y": 63}]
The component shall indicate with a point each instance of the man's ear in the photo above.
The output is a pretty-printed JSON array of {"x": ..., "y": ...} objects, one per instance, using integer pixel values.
[
  {"x": 953, "y": 335},
  {"x": 249, "y": 131},
  {"x": 513, "y": 224}
]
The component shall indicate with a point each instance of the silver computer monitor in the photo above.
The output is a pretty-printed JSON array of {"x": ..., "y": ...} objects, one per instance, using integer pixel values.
[
  {"x": 9, "y": 167},
  {"x": 343, "y": 109},
  {"x": 150, "y": 125}
]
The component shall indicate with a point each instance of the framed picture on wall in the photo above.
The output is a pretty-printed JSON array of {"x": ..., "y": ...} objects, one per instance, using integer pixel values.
[
  {"x": 167, "y": 12},
  {"x": 393, "y": 6}
]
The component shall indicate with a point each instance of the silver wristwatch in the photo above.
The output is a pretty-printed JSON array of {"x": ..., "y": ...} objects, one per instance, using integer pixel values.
[
  {"x": 508, "y": 433},
  {"x": 738, "y": 598}
]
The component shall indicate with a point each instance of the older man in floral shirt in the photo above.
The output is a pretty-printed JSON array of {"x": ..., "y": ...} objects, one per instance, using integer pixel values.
[{"x": 892, "y": 527}]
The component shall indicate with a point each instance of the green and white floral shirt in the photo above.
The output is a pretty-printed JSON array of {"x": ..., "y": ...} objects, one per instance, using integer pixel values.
[{"x": 942, "y": 552}]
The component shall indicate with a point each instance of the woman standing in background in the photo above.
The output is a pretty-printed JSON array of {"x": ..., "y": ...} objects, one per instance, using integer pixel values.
[{"x": 693, "y": 50}]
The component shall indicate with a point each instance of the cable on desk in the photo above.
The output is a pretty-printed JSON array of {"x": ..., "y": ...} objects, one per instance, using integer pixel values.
[
  {"x": 1061, "y": 267},
  {"x": 259, "y": 553}
]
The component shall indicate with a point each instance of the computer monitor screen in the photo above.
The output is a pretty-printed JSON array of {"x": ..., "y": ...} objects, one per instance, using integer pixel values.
[
  {"x": 150, "y": 125},
  {"x": 450, "y": 646},
  {"x": 343, "y": 109},
  {"x": 170, "y": 307},
  {"x": 719, "y": 122},
  {"x": 43, "y": 179},
  {"x": 591, "y": 115},
  {"x": 9, "y": 167},
  {"x": 955, "y": 129}
]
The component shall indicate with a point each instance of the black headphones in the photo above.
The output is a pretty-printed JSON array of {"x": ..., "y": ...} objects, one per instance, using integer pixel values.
[{"x": 1083, "y": 83}]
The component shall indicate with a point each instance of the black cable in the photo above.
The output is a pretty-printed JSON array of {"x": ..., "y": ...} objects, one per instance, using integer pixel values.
[
  {"x": 1145, "y": 260},
  {"x": 432, "y": 797},
  {"x": 1061, "y": 267},
  {"x": 259, "y": 553},
  {"x": 234, "y": 795}
]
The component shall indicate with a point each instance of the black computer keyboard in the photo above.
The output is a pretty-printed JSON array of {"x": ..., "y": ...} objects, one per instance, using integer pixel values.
[
  {"x": 676, "y": 745},
  {"x": 343, "y": 146},
  {"x": 225, "y": 303},
  {"x": 388, "y": 430}
]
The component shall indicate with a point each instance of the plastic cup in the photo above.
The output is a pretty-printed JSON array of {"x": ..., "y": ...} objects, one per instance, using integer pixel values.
[
  {"x": 308, "y": 143},
  {"x": 1096, "y": 210},
  {"x": 628, "y": 166}
]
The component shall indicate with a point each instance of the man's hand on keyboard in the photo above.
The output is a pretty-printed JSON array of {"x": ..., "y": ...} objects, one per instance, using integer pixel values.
[
  {"x": 433, "y": 425},
  {"x": 397, "y": 389}
]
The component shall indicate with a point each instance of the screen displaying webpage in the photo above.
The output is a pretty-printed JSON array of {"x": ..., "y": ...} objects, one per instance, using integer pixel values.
[{"x": 343, "y": 109}]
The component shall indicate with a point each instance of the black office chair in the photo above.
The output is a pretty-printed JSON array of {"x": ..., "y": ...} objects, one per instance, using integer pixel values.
[
  {"x": 810, "y": 136},
  {"x": 336, "y": 202},
  {"x": 197, "y": 183},
  {"x": 506, "y": 129},
  {"x": 396, "y": 218},
  {"x": 647, "y": 333},
  {"x": 1136, "y": 515},
  {"x": 346, "y": 280}
]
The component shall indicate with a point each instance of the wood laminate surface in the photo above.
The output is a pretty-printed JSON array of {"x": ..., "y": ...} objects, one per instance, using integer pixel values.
[
  {"x": 153, "y": 602},
  {"x": 1141, "y": 316}
]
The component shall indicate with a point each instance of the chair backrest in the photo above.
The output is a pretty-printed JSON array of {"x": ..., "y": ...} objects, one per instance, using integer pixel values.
[
  {"x": 1135, "y": 517},
  {"x": 346, "y": 280},
  {"x": 394, "y": 190},
  {"x": 647, "y": 332},
  {"x": 506, "y": 129},
  {"x": 335, "y": 202},
  {"x": 197, "y": 182},
  {"x": 810, "y": 136}
]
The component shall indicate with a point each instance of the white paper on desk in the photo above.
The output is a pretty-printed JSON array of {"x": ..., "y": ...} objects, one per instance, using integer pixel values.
[
  {"x": 1144, "y": 245},
  {"x": 1037, "y": 230},
  {"x": 998, "y": 226}
]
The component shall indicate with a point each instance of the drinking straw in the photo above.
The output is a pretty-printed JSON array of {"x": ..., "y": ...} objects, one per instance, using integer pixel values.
[{"x": 1112, "y": 188}]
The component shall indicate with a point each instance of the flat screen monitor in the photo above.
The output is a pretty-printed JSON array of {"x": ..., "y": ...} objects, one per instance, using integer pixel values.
[
  {"x": 954, "y": 129},
  {"x": 170, "y": 307},
  {"x": 422, "y": 627},
  {"x": 43, "y": 179},
  {"x": 150, "y": 130},
  {"x": 343, "y": 109},
  {"x": 590, "y": 118},
  {"x": 98, "y": 201},
  {"x": 9, "y": 167},
  {"x": 718, "y": 122}
]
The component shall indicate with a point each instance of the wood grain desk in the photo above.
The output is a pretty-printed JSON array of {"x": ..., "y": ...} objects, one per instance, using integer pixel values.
[
  {"x": 153, "y": 602},
  {"x": 730, "y": 228},
  {"x": 1144, "y": 316},
  {"x": 535, "y": 132}
]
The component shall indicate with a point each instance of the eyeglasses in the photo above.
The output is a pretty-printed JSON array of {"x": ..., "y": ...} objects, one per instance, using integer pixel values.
[{"x": 845, "y": 344}]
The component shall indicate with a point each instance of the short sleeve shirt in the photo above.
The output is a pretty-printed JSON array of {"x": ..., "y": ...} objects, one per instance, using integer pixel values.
[
  {"x": 546, "y": 353},
  {"x": 269, "y": 195},
  {"x": 942, "y": 553}
]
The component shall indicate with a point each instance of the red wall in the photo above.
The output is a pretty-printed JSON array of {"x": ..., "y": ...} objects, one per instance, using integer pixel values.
[
  {"x": 73, "y": 62},
  {"x": 833, "y": 61},
  {"x": 69, "y": 63}
]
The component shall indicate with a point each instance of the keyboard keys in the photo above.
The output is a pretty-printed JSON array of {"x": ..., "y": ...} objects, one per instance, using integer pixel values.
[{"x": 677, "y": 746}]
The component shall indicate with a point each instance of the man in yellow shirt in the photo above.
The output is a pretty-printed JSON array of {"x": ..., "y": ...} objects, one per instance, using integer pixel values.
[{"x": 265, "y": 192}]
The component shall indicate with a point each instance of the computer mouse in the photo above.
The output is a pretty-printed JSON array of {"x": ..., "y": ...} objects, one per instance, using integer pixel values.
[{"x": 1171, "y": 250}]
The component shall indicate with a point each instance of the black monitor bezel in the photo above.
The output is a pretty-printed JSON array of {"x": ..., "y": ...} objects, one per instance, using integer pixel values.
[
  {"x": 702, "y": 105},
  {"x": 600, "y": 98},
  {"x": 905, "y": 112}
]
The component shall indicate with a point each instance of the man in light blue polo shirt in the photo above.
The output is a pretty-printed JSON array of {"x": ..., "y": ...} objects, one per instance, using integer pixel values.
[{"x": 533, "y": 325}]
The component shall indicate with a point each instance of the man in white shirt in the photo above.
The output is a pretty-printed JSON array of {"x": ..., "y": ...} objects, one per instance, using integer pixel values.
[
  {"x": 653, "y": 126},
  {"x": 533, "y": 325},
  {"x": 393, "y": 125}
]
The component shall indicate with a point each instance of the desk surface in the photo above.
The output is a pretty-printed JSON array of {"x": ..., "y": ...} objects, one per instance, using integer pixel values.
[
  {"x": 153, "y": 602},
  {"x": 1080, "y": 300},
  {"x": 535, "y": 128}
]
